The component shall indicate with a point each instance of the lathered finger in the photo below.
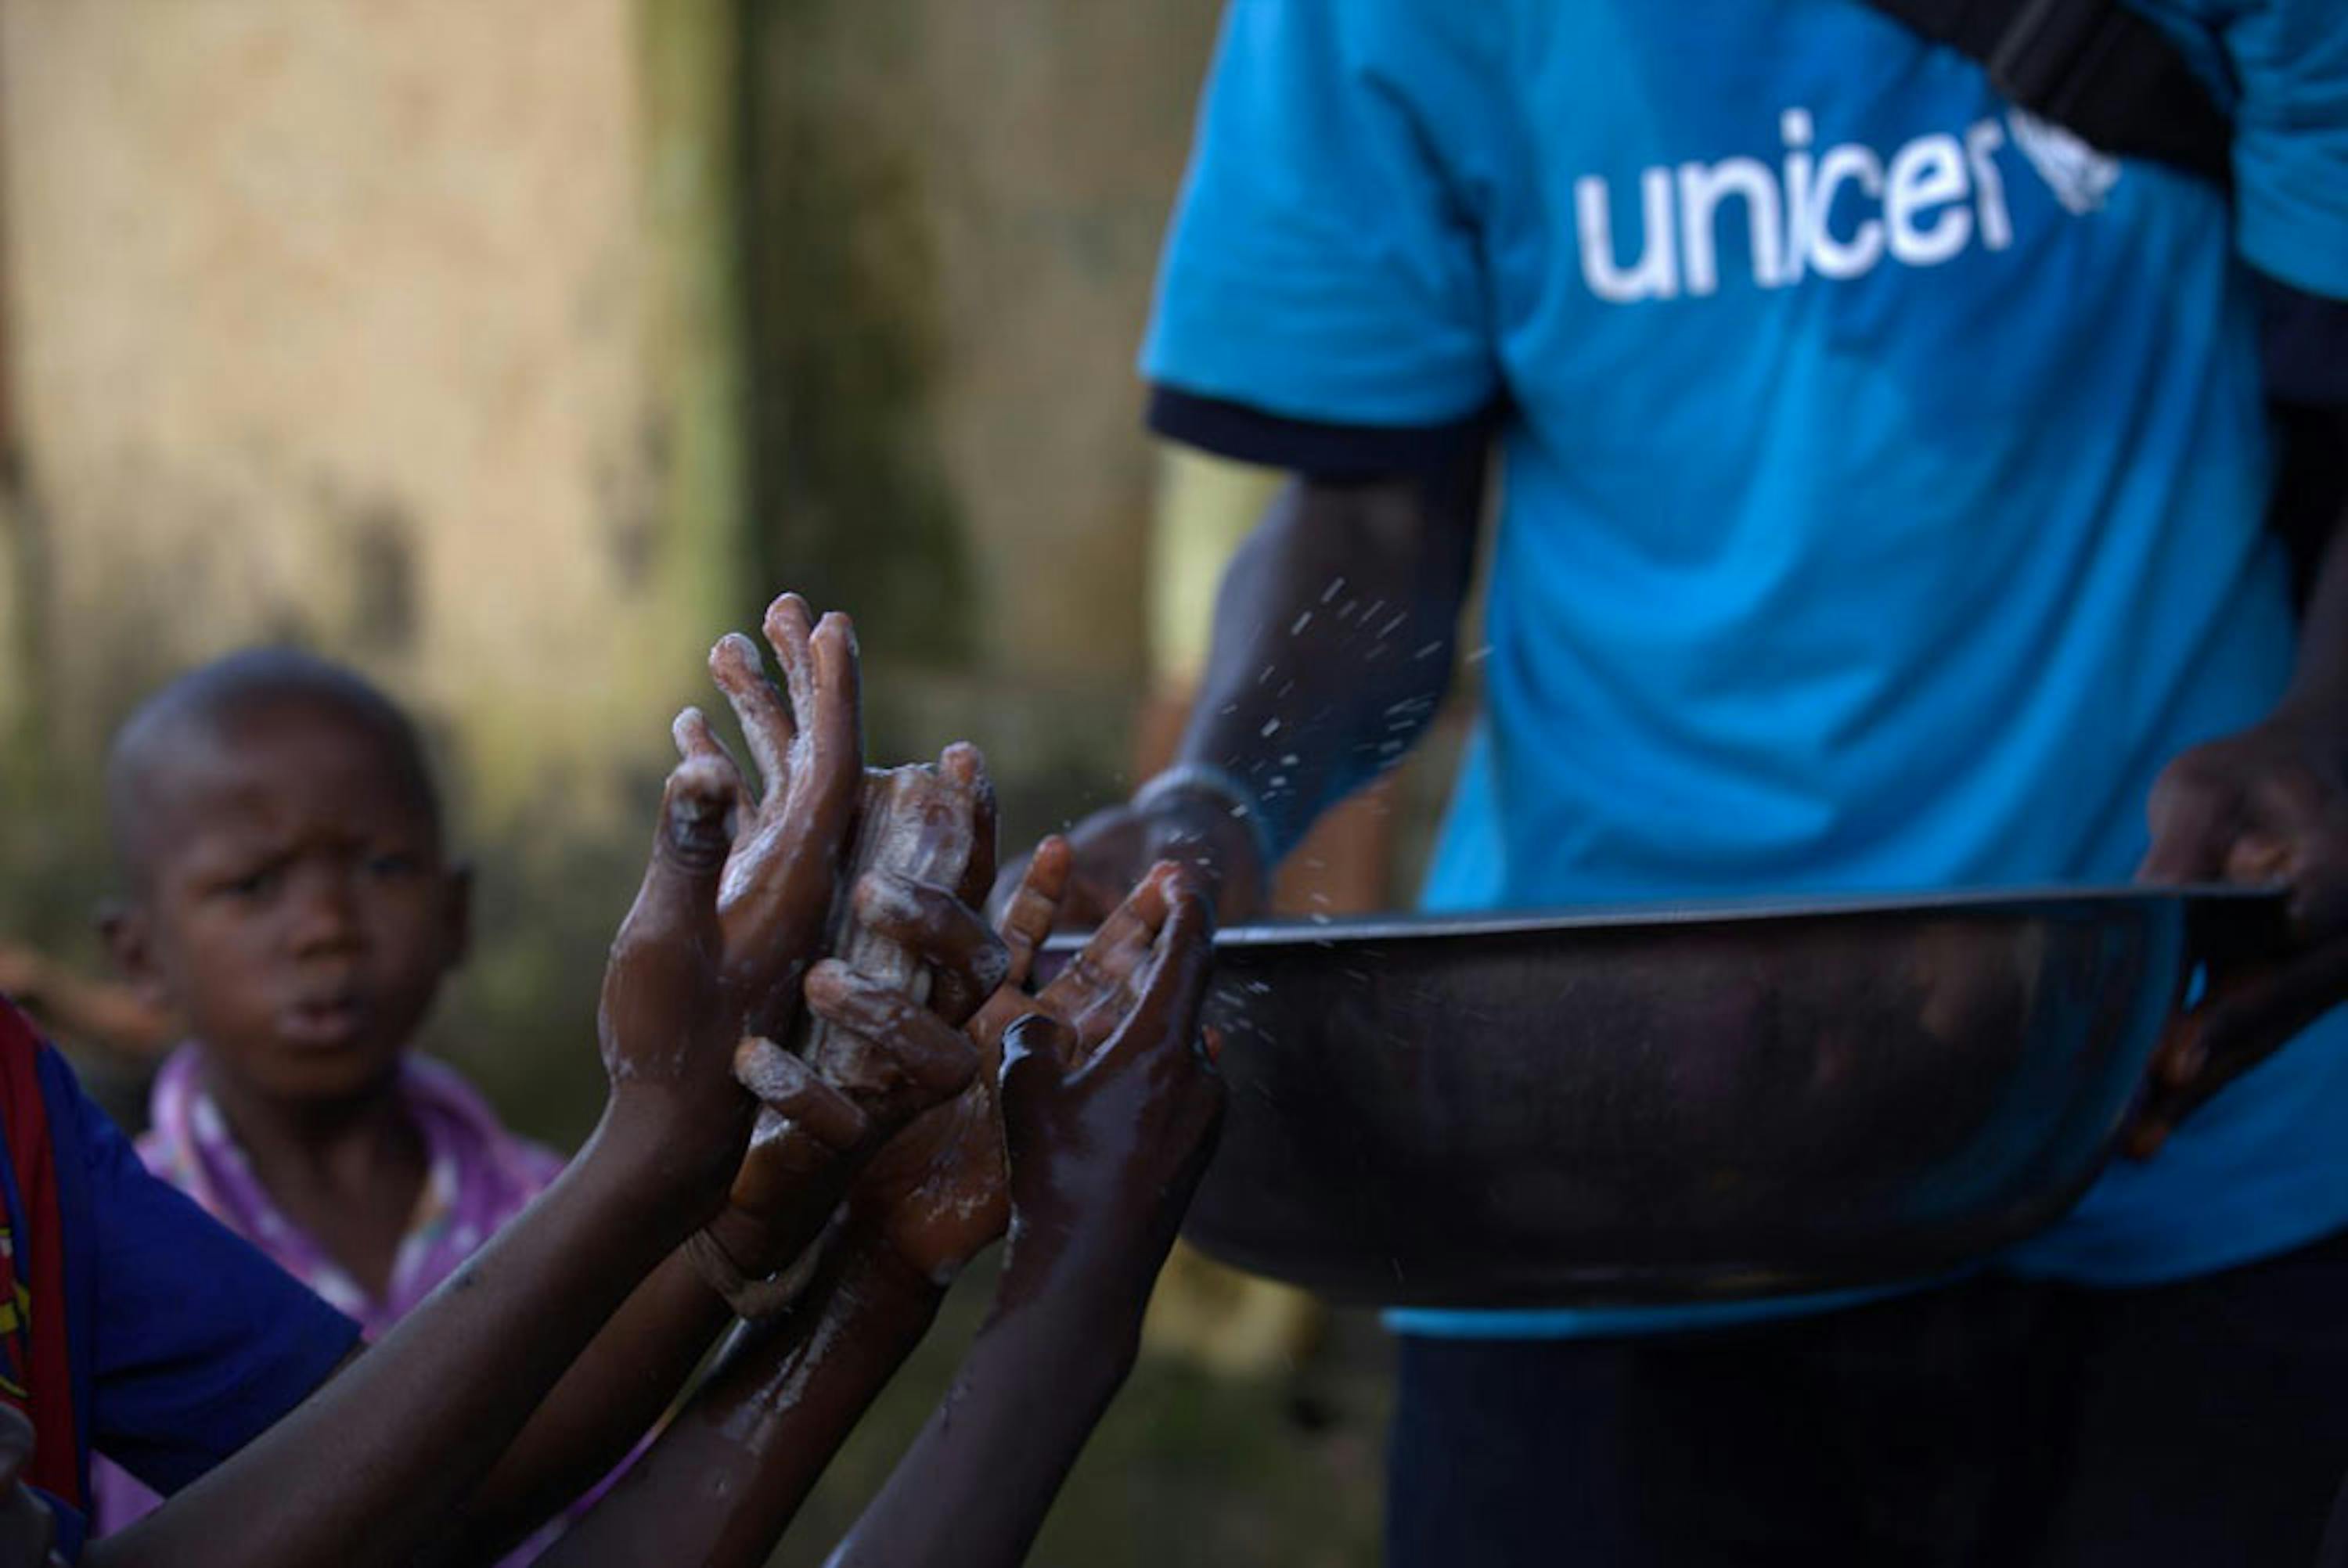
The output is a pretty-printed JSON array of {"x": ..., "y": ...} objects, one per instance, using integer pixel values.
[
  {"x": 907, "y": 1040},
  {"x": 1121, "y": 947},
  {"x": 1035, "y": 906},
  {"x": 788, "y": 1087},
  {"x": 740, "y": 672},
  {"x": 828, "y": 714},
  {"x": 1167, "y": 1013},
  {"x": 697, "y": 740},
  {"x": 940, "y": 929},
  {"x": 963, "y": 763},
  {"x": 789, "y": 628},
  {"x": 1104, "y": 981}
]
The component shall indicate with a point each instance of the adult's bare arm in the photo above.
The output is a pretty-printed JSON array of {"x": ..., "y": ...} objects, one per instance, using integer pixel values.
[{"x": 1335, "y": 629}]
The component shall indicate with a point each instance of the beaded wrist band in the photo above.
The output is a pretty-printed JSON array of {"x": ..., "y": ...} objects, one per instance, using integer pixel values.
[{"x": 1216, "y": 784}]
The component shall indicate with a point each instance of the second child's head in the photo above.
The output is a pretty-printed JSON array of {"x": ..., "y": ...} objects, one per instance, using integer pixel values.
[{"x": 286, "y": 888}]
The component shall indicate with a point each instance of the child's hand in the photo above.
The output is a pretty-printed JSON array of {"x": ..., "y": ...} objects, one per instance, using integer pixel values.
[
  {"x": 28, "y": 1531},
  {"x": 1107, "y": 1146},
  {"x": 716, "y": 923},
  {"x": 804, "y": 741},
  {"x": 936, "y": 1192},
  {"x": 814, "y": 1135}
]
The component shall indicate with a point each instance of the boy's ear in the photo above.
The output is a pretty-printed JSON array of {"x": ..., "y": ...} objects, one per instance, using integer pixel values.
[
  {"x": 459, "y": 916},
  {"x": 129, "y": 932}
]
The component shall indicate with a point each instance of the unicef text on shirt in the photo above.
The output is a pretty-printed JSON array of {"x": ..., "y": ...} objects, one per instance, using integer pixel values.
[{"x": 1934, "y": 196}]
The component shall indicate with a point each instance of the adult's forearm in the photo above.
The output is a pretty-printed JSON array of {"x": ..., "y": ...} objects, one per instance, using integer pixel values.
[
  {"x": 1335, "y": 632},
  {"x": 371, "y": 1468},
  {"x": 977, "y": 1483},
  {"x": 727, "y": 1477}
]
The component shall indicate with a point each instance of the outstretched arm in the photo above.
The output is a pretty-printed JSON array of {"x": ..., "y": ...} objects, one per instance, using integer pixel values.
[
  {"x": 728, "y": 1476},
  {"x": 1105, "y": 1149},
  {"x": 636, "y": 1365}
]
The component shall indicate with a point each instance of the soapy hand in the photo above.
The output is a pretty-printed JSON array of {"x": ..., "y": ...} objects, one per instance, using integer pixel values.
[
  {"x": 936, "y": 1194},
  {"x": 816, "y": 1136},
  {"x": 1106, "y": 1143},
  {"x": 874, "y": 1056},
  {"x": 2268, "y": 805},
  {"x": 787, "y": 836},
  {"x": 731, "y": 908}
]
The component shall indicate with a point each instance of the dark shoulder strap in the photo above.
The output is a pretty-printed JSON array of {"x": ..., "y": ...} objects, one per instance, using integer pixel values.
[{"x": 2092, "y": 67}]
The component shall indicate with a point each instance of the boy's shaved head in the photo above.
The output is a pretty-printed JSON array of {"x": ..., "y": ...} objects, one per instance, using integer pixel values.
[{"x": 207, "y": 703}]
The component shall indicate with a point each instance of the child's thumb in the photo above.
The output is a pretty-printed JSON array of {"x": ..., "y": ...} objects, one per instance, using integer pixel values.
[
  {"x": 1033, "y": 1050},
  {"x": 689, "y": 849},
  {"x": 664, "y": 952}
]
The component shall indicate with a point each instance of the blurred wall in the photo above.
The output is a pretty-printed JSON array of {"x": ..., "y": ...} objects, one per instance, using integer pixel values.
[
  {"x": 955, "y": 214},
  {"x": 511, "y": 348},
  {"x": 406, "y": 329},
  {"x": 329, "y": 322}
]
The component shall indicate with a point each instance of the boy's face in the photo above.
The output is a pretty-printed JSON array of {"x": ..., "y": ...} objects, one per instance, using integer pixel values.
[{"x": 296, "y": 911}]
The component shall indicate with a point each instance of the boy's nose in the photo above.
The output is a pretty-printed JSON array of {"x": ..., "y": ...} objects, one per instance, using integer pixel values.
[{"x": 325, "y": 911}]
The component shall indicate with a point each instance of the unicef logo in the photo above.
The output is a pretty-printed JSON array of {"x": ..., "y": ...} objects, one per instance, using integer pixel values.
[{"x": 1836, "y": 212}]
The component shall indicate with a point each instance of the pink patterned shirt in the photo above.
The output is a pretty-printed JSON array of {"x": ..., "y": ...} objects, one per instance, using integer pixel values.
[{"x": 477, "y": 1176}]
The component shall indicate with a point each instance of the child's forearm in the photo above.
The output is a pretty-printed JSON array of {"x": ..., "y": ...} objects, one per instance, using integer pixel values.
[
  {"x": 727, "y": 1477},
  {"x": 602, "y": 1408},
  {"x": 976, "y": 1486},
  {"x": 371, "y": 1468}
]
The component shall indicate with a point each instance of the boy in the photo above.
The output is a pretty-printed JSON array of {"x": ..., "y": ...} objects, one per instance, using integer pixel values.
[
  {"x": 143, "y": 1325},
  {"x": 288, "y": 895}
]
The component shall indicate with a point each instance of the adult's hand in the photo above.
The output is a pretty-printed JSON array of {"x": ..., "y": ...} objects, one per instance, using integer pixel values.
[
  {"x": 2266, "y": 806},
  {"x": 1111, "y": 850}
]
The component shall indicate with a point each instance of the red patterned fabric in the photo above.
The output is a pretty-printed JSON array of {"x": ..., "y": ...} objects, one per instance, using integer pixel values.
[{"x": 36, "y": 1374}]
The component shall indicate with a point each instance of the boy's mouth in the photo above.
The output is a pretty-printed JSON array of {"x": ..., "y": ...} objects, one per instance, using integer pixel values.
[{"x": 322, "y": 1022}]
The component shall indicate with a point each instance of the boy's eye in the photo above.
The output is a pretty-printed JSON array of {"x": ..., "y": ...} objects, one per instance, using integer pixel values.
[
  {"x": 394, "y": 865},
  {"x": 255, "y": 884}
]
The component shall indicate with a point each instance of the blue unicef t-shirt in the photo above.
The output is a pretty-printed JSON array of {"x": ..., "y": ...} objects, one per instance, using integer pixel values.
[{"x": 1883, "y": 469}]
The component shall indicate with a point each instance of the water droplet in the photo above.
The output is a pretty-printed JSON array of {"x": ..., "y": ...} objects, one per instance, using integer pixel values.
[
  {"x": 1300, "y": 624},
  {"x": 1271, "y": 728},
  {"x": 1336, "y": 585}
]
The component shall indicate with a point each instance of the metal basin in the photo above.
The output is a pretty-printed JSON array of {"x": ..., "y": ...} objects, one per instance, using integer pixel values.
[{"x": 1686, "y": 1104}]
